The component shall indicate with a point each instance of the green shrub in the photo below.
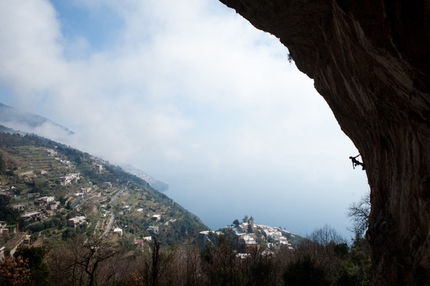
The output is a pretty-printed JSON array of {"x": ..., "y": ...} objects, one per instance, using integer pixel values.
[{"x": 304, "y": 272}]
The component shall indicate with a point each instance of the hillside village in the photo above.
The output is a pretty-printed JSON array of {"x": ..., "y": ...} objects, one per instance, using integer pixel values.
[
  {"x": 78, "y": 212},
  {"x": 250, "y": 237},
  {"x": 58, "y": 191}
]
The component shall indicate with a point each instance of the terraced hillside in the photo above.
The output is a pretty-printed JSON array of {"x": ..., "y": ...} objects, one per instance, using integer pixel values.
[{"x": 61, "y": 191}]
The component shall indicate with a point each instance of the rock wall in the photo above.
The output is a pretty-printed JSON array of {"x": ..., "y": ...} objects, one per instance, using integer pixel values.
[{"x": 370, "y": 60}]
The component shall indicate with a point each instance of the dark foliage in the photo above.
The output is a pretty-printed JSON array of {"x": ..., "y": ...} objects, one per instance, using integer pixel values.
[
  {"x": 36, "y": 263},
  {"x": 14, "y": 271},
  {"x": 304, "y": 272},
  {"x": 7, "y": 213}
]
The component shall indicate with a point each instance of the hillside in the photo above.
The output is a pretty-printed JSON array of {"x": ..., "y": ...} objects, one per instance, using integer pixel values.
[{"x": 61, "y": 191}]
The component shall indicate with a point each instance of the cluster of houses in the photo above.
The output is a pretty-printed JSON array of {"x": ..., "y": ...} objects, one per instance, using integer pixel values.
[
  {"x": 47, "y": 206},
  {"x": 273, "y": 236},
  {"x": 246, "y": 233},
  {"x": 49, "y": 203},
  {"x": 249, "y": 236},
  {"x": 69, "y": 179},
  {"x": 43, "y": 207},
  {"x": 35, "y": 208}
]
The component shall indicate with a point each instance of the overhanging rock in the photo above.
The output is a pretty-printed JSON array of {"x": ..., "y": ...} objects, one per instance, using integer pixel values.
[{"x": 370, "y": 60}]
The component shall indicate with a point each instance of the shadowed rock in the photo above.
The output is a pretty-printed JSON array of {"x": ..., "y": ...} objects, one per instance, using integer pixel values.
[{"x": 370, "y": 60}]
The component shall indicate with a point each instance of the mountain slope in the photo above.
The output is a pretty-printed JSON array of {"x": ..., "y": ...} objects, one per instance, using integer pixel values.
[{"x": 84, "y": 186}]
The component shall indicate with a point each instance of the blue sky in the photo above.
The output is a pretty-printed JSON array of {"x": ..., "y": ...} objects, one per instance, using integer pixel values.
[{"x": 192, "y": 94}]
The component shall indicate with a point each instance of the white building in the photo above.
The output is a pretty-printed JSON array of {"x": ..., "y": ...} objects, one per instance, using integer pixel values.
[
  {"x": 70, "y": 179},
  {"x": 75, "y": 221},
  {"x": 154, "y": 229},
  {"x": 118, "y": 231}
]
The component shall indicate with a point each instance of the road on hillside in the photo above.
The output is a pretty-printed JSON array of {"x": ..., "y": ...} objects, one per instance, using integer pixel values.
[
  {"x": 109, "y": 226},
  {"x": 118, "y": 193},
  {"x": 112, "y": 217}
]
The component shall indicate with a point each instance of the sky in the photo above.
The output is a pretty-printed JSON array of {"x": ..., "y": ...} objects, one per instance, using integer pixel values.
[{"x": 193, "y": 95}]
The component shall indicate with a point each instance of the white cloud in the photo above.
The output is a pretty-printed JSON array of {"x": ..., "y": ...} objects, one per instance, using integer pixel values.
[{"x": 29, "y": 53}]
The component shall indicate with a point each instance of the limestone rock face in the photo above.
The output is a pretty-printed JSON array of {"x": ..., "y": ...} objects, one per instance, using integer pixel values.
[{"x": 370, "y": 60}]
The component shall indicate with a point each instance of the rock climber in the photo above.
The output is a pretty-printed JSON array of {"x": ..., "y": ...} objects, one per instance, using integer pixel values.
[{"x": 355, "y": 162}]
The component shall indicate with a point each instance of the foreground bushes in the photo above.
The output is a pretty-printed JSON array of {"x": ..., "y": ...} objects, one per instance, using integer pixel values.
[{"x": 84, "y": 261}]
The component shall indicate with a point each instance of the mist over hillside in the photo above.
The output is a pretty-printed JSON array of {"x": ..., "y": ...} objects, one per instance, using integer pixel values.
[
  {"x": 158, "y": 185},
  {"x": 30, "y": 123},
  {"x": 14, "y": 120}
]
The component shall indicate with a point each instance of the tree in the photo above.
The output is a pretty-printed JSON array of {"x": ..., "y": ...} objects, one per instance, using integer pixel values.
[
  {"x": 62, "y": 200},
  {"x": 304, "y": 272},
  {"x": 156, "y": 266},
  {"x": 36, "y": 263},
  {"x": 326, "y": 248},
  {"x": 219, "y": 262},
  {"x": 259, "y": 269},
  {"x": 245, "y": 218},
  {"x": 83, "y": 261},
  {"x": 326, "y": 235},
  {"x": 356, "y": 269},
  {"x": 236, "y": 223},
  {"x": 7, "y": 213},
  {"x": 359, "y": 214},
  {"x": 14, "y": 271},
  {"x": 7, "y": 162}
]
